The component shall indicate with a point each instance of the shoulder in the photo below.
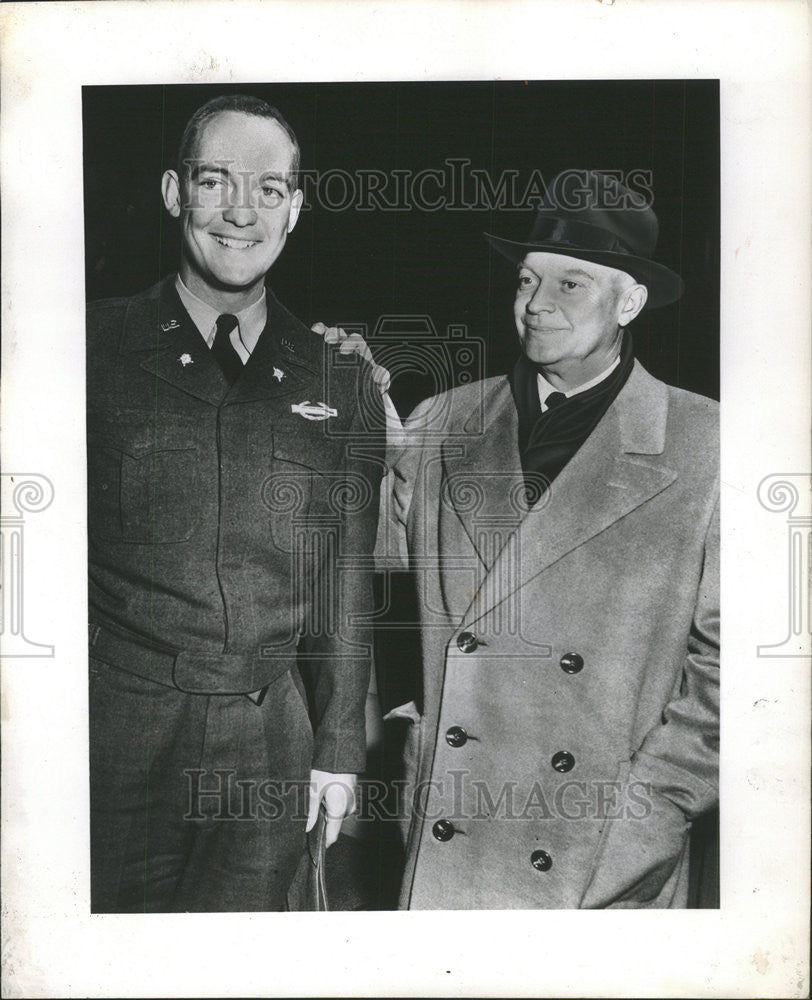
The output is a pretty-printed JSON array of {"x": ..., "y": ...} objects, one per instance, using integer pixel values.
[
  {"x": 103, "y": 310},
  {"x": 311, "y": 347},
  {"x": 449, "y": 411},
  {"x": 105, "y": 314},
  {"x": 683, "y": 410},
  {"x": 692, "y": 417},
  {"x": 681, "y": 426}
]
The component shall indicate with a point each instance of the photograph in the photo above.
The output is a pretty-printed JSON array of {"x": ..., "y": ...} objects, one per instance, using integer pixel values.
[
  {"x": 544, "y": 494},
  {"x": 405, "y": 499}
]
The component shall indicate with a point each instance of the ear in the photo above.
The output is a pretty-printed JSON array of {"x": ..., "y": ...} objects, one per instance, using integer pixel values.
[
  {"x": 295, "y": 207},
  {"x": 631, "y": 302},
  {"x": 170, "y": 190}
]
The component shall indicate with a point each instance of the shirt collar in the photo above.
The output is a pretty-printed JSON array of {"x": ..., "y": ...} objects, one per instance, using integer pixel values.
[
  {"x": 251, "y": 319},
  {"x": 545, "y": 388}
]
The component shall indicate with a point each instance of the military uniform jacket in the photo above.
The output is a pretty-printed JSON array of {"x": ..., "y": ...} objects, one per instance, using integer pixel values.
[
  {"x": 226, "y": 529},
  {"x": 568, "y": 730}
]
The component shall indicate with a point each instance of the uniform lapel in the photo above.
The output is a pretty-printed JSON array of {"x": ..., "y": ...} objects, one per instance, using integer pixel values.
[
  {"x": 174, "y": 350},
  {"x": 614, "y": 472},
  {"x": 285, "y": 360}
]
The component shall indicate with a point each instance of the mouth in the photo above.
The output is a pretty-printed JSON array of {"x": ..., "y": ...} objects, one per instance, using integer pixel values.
[
  {"x": 234, "y": 244},
  {"x": 543, "y": 329}
]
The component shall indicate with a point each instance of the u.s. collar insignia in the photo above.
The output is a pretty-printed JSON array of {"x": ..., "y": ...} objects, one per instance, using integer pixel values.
[
  {"x": 278, "y": 374},
  {"x": 186, "y": 359},
  {"x": 286, "y": 342},
  {"x": 313, "y": 411},
  {"x": 171, "y": 324}
]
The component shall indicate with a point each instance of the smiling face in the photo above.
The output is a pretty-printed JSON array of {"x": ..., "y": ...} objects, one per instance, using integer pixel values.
[
  {"x": 570, "y": 313},
  {"x": 235, "y": 208}
]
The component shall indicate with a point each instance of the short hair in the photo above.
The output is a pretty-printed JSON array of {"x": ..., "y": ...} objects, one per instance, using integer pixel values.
[{"x": 246, "y": 105}]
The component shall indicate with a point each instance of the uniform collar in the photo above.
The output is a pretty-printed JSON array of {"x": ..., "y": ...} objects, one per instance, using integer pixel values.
[{"x": 251, "y": 320}]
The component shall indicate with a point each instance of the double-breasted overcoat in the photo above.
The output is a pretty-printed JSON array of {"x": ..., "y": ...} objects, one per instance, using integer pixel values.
[{"x": 568, "y": 731}]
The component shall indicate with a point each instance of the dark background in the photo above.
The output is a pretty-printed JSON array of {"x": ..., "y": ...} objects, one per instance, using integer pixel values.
[{"x": 352, "y": 267}]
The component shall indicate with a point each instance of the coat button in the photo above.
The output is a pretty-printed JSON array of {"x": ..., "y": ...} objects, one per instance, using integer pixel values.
[
  {"x": 572, "y": 663},
  {"x": 541, "y": 861},
  {"x": 563, "y": 761},
  {"x": 467, "y": 642},
  {"x": 443, "y": 830},
  {"x": 456, "y": 736}
]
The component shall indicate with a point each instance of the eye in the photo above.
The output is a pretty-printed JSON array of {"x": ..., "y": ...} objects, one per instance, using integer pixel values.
[
  {"x": 525, "y": 282},
  {"x": 272, "y": 195},
  {"x": 209, "y": 183},
  {"x": 569, "y": 286}
]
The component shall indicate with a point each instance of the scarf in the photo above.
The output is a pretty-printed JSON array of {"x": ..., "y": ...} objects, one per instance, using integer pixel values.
[{"x": 547, "y": 441}]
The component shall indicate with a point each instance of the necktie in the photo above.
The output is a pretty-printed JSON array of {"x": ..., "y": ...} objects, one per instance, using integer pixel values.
[
  {"x": 223, "y": 349},
  {"x": 555, "y": 399}
]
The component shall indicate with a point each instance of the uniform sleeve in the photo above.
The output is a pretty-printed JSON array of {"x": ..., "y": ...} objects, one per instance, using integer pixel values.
[
  {"x": 673, "y": 774},
  {"x": 339, "y": 641}
]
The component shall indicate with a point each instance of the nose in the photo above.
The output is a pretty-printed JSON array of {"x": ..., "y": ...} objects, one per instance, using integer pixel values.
[
  {"x": 541, "y": 299},
  {"x": 240, "y": 215}
]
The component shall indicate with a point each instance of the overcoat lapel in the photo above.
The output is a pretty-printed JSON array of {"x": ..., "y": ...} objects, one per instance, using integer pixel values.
[
  {"x": 482, "y": 474},
  {"x": 612, "y": 474}
]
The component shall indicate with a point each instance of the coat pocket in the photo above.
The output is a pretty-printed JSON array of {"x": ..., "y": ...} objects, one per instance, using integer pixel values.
[
  {"x": 143, "y": 485},
  {"x": 641, "y": 855},
  {"x": 404, "y": 740}
]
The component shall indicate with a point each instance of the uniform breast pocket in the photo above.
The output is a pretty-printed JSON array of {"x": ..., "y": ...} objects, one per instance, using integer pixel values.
[
  {"x": 143, "y": 484},
  {"x": 307, "y": 491},
  {"x": 287, "y": 492}
]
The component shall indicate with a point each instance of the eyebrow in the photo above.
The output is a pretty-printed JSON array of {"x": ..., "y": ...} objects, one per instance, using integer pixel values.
[
  {"x": 569, "y": 270},
  {"x": 214, "y": 168},
  {"x": 273, "y": 175},
  {"x": 207, "y": 168}
]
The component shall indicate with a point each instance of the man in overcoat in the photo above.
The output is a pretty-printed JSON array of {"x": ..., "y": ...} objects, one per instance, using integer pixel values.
[
  {"x": 232, "y": 514},
  {"x": 562, "y": 524}
]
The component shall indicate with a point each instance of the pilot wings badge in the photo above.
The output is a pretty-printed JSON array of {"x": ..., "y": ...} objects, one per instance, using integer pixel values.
[{"x": 313, "y": 411}]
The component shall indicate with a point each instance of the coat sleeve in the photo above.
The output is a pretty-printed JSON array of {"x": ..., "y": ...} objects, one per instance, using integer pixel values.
[
  {"x": 338, "y": 640},
  {"x": 406, "y": 450},
  {"x": 673, "y": 774}
]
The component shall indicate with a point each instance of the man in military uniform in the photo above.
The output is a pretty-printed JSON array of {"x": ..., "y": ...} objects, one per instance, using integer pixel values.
[
  {"x": 562, "y": 526},
  {"x": 229, "y": 522}
]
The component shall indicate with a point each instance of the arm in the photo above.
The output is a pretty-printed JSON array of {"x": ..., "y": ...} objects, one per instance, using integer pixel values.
[
  {"x": 678, "y": 760},
  {"x": 338, "y": 642}
]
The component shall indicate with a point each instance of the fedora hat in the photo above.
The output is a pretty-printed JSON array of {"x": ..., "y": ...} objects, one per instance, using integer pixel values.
[{"x": 592, "y": 216}]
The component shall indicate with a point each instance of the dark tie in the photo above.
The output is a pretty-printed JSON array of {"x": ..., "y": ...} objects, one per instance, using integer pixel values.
[
  {"x": 555, "y": 399},
  {"x": 223, "y": 349}
]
